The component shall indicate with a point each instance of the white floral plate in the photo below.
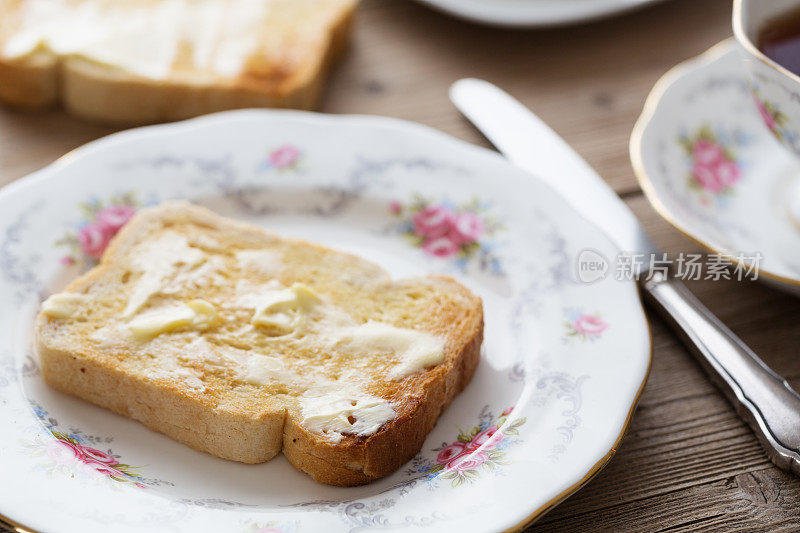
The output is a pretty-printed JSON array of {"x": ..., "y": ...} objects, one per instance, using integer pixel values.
[
  {"x": 710, "y": 167},
  {"x": 534, "y": 13},
  {"x": 570, "y": 358}
]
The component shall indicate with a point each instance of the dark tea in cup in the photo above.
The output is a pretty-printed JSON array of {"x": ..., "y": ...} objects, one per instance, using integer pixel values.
[{"x": 779, "y": 39}]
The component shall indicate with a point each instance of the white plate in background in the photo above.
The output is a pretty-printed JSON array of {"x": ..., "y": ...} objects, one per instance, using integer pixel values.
[{"x": 535, "y": 13}]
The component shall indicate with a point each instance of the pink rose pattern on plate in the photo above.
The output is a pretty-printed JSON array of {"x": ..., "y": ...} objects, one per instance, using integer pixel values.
[
  {"x": 448, "y": 231},
  {"x": 101, "y": 462},
  {"x": 584, "y": 326},
  {"x": 284, "y": 157},
  {"x": 476, "y": 450},
  {"x": 74, "y": 451},
  {"x": 100, "y": 222},
  {"x": 271, "y": 526},
  {"x": 773, "y": 119},
  {"x": 714, "y": 169}
]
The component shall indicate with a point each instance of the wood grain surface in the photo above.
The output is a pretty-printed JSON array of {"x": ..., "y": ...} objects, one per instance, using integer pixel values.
[{"x": 687, "y": 463}]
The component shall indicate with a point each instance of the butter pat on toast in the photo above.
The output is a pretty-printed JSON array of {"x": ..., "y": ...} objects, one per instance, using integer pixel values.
[
  {"x": 243, "y": 344},
  {"x": 140, "y": 61}
]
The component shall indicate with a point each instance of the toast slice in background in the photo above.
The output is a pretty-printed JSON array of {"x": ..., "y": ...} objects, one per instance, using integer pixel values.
[
  {"x": 143, "y": 61},
  {"x": 244, "y": 344}
]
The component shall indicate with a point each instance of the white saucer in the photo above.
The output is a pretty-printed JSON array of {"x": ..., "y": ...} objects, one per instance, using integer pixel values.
[
  {"x": 710, "y": 167},
  {"x": 534, "y": 13}
]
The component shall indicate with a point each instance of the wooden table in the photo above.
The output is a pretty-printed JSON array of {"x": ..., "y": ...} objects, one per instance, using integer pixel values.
[{"x": 688, "y": 463}]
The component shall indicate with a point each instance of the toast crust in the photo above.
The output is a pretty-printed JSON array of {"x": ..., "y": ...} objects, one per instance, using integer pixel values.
[
  {"x": 396, "y": 443},
  {"x": 253, "y": 427},
  {"x": 31, "y": 84},
  {"x": 110, "y": 95},
  {"x": 238, "y": 434}
]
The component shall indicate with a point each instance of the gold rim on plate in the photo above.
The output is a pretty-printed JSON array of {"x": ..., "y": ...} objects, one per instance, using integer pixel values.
[
  {"x": 14, "y": 526},
  {"x": 599, "y": 465}
]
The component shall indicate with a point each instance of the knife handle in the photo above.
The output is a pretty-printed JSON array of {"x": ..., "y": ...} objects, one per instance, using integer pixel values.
[{"x": 761, "y": 397}]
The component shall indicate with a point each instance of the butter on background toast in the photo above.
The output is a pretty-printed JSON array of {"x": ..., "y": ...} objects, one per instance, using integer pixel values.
[
  {"x": 141, "y": 61},
  {"x": 243, "y": 344}
]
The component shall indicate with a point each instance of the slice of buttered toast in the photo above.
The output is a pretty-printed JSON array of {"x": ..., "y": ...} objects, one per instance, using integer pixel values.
[
  {"x": 141, "y": 61},
  {"x": 243, "y": 344}
]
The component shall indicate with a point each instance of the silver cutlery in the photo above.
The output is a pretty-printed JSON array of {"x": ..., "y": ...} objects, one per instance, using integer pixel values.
[{"x": 761, "y": 397}]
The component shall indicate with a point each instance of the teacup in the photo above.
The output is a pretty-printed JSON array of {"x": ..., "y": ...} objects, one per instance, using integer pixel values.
[{"x": 776, "y": 90}]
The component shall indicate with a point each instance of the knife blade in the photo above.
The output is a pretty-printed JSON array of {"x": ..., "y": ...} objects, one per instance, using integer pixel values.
[
  {"x": 760, "y": 396},
  {"x": 532, "y": 145}
]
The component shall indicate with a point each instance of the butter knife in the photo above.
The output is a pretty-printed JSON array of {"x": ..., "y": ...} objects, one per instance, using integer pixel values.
[{"x": 760, "y": 396}]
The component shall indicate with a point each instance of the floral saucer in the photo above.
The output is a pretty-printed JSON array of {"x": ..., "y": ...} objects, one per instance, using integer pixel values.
[
  {"x": 709, "y": 166},
  {"x": 562, "y": 367}
]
